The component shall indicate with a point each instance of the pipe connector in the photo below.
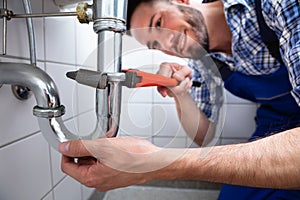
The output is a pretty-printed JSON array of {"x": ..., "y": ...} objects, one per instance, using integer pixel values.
[
  {"x": 49, "y": 112},
  {"x": 84, "y": 13},
  {"x": 109, "y": 24},
  {"x": 5, "y": 13}
]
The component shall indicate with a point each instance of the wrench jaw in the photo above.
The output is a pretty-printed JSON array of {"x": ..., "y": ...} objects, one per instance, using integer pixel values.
[
  {"x": 90, "y": 78},
  {"x": 131, "y": 79}
]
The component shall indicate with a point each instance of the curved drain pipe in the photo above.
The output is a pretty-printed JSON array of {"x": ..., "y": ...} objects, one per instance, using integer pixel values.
[
  {"x": 109, "y": 18},
  {"x": 48, "y": 109}
]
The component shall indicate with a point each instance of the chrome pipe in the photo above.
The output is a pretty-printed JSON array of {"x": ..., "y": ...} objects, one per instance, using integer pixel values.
[
  {"x": 21, "y": 92},
  {"x": 4, "y": 32},
  {"x": 48, "y": 109},
  {"x": 30, "y": 29},
  {"x": 114, "y": 108},
  {"x": 33, "y": 15},
  {"x": 109, "y": 18},
  {"x": 108, "y": 100}
]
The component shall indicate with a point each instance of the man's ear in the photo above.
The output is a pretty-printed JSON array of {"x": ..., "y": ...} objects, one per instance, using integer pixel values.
[{"x": 187, "y": 2}]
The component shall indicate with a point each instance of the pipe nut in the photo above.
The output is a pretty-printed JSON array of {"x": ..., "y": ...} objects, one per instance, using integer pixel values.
[
  {"x": 48, "y": 112},
  {"x": 109, "y": 24}
]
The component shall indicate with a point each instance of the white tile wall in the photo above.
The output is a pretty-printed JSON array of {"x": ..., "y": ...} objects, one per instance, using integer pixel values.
[
  {"x": 166, "y": 122},
  {"x": 16, "y": 117},
  {"x": 68, "y": 189},
  {"x": 86, "y": 45},
  {"x": 136, "y": 119},
  {"x": 239, "y": 121},
  {"x": 17, "y": 31},
  {"x": 29, "y": 168},
  {"x": 60, "y": 39},
  {"x": 49, "y": 196},
  {"x": 25, "y": 169}
]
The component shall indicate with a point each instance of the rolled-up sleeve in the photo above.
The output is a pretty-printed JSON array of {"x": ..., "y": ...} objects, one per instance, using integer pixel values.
[{"x": 208, "y": 97}]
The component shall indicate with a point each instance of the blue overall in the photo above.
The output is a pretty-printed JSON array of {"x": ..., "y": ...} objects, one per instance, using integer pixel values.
[{"x": 278, "y": 111}]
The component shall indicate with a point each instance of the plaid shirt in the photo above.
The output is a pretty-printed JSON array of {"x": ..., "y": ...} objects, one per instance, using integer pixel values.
[
  {"x": 250, "y": 54},
  {"x": 208, "y": 97}
]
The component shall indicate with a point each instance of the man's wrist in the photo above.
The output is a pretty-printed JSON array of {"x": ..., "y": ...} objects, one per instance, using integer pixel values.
[{"x": 178, "y": 166}]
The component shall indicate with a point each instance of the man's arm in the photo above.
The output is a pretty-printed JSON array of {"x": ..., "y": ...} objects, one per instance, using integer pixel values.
[
  {"x": 193, "y": 120},
  {"x": 271, "y": 162}
]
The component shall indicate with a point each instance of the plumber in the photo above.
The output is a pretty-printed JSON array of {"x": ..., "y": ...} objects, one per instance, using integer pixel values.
[{"x": 257, "y": 50}]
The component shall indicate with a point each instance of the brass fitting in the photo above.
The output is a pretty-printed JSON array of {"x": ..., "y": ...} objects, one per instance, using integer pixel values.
[{"x": 84, "y": 13}]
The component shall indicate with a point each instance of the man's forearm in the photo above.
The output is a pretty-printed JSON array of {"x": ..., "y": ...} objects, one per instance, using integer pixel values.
[
  {"x": 272, "y": 162},
  {"x": 194, "y": 121}
]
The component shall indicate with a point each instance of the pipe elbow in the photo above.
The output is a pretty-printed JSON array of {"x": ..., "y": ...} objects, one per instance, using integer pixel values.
[
  {"x": 48, "y": 108},
  {"x": 38, "y": 81}
]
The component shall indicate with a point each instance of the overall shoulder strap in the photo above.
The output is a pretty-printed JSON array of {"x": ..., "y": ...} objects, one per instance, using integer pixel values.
[{"x": 268, "y": 35}]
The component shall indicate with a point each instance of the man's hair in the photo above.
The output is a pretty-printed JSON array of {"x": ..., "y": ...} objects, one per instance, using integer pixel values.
[{"x": 131, "y": 6}]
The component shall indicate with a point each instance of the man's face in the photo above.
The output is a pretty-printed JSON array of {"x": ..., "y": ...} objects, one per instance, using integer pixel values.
[{"x": 174, "y": 29}]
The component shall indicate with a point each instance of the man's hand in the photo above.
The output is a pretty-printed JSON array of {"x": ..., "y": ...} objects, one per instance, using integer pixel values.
[
  {"x": 181, "y": 73},
  {"x": 109, "y": 163}
]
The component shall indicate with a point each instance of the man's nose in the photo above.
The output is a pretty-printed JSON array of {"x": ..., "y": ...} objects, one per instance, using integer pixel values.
[{"x": 167, "y": 41}]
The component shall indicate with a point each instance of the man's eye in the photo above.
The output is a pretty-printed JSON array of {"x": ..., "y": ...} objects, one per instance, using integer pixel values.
[
  {"x": 155, "y": 45},
  {"x": 158, "y": 23}
]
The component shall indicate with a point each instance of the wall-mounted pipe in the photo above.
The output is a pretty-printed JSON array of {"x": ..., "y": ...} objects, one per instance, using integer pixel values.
[
  {"x": 30, "y": 29},
  {"x": 4, "y": 30},
  {"x": 21, "y": 92}
]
